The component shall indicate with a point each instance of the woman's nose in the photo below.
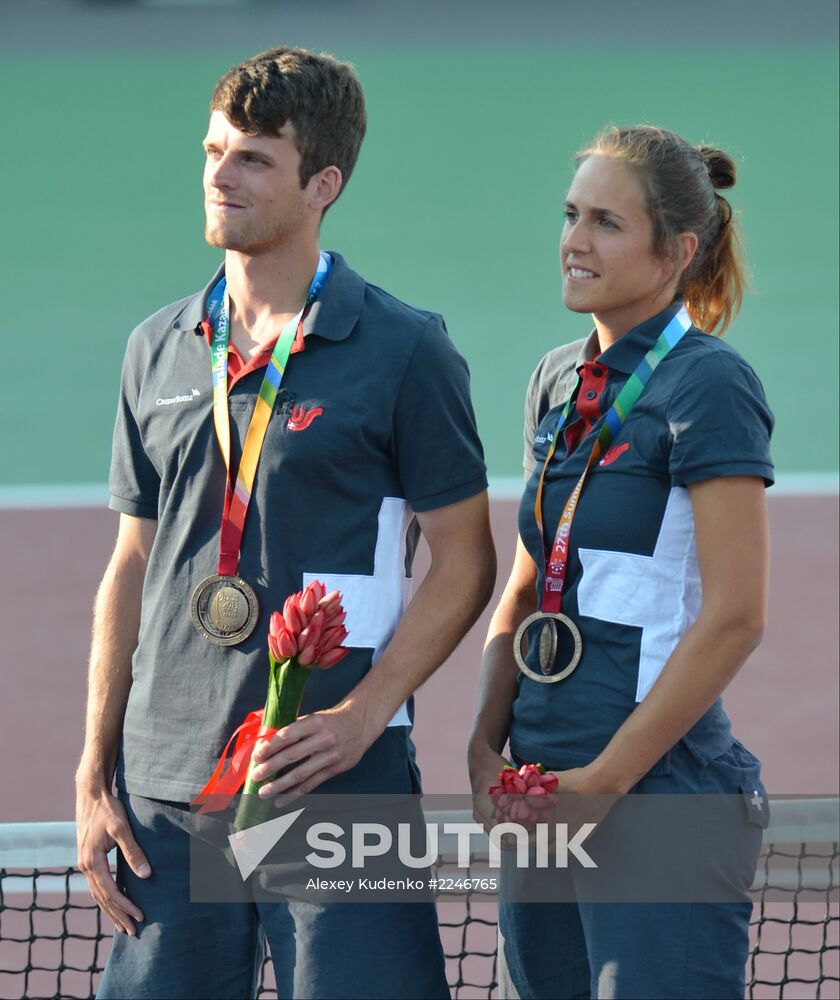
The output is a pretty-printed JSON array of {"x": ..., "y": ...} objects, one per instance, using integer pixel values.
[{"x": 574, "y": 239}]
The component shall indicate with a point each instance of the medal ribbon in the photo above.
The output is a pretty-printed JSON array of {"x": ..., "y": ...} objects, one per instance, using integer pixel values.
[
  {"x": 555, "y": 567},
  {"x": 238, "y": 497}
]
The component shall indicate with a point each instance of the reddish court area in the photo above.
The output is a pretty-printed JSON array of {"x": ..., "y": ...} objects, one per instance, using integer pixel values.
[{"x": 783, "y": 703}]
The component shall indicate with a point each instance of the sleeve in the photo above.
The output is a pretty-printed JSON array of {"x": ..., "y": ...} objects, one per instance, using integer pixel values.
[
  {"x": 552, "y": 383},
  {"x": 719, "y": 423},
  {"x": 438, "y": 453},
  {"x": 134, "y": 482},
  {"x": 532, "y": 420}
]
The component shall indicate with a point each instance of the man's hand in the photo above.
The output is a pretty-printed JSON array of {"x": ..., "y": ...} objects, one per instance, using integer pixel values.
[
  {"x": 314, "y": 748},
  {"x": 101, "y": 822},
  {"x": 101, "y": 825}
]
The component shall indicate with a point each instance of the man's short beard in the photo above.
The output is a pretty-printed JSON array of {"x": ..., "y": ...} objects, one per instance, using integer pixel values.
[{"x": 250, "y": 244}]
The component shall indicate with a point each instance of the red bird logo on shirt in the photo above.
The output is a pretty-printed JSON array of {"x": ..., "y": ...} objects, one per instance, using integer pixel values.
[
  {"x": 611, "y": 454},
  {"x": 301, "y": 418}
]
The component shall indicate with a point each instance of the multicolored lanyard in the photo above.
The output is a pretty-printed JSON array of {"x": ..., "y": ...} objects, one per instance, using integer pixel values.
[
  {"x": 555, "y": 568},
  {"x": 237, "y": 498}
]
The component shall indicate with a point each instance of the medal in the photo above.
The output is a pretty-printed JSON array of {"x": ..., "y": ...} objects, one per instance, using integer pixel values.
[
  {"x": 224, "y": 609},
  {"x": 547, "y": 646},
  {"x": 554, "y": 573}
]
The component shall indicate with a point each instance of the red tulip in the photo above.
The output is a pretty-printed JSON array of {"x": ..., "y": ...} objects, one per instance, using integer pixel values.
[
  {"x": 309, "y": 633},
  {"x": 337, "y": 616},
  {"x": 330, "y": 658},
  {"x": 308, "y": 601},
  {"x": 275, "y": 622},
  {"x": 311, "y": 628},
  {"x": 306, "y": 657},
  {"x": 295, "y": 620},
  {"x": 330, "y": 603},
  {"x": 332, "y": 638},
  {"x": 525, "y": 795}
]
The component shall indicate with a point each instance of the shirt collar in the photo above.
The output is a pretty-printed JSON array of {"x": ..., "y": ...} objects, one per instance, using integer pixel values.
[
  {"x": 626, "y": 353},
  {"x": 332, "y": 316},
  {"x": 589, "y": 350}
]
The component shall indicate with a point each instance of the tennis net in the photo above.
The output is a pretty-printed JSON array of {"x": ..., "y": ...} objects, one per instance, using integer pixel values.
[{"x": 54, "y": 941}]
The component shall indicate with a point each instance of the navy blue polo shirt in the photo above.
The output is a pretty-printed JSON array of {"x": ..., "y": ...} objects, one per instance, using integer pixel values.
[
  {"x": 372, "y": 424},
  {"x": 632, "y": 582}
]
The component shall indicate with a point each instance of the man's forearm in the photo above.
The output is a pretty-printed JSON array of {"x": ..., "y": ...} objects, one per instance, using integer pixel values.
[
  {"x": 452, "y": 596},
  {"x": 116, "y": 624}
]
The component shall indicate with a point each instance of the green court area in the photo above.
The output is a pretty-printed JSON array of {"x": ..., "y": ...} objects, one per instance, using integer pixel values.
[{"x": 456, "y": 205}]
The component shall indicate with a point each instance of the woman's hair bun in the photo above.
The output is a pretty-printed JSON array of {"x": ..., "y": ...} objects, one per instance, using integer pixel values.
[{"x": 720, "y": 166}]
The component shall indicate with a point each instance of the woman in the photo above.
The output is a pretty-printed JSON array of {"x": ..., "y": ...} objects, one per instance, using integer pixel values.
[{"x": 648, "y": 543}]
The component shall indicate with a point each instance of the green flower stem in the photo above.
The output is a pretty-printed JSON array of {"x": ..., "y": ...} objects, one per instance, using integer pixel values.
[{"x": 286, "y": 682}]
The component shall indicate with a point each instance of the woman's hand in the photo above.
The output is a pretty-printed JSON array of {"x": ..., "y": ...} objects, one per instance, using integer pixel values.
[
  {"x": 484, "y": 764},
  {"x": 584, "y": 797}
]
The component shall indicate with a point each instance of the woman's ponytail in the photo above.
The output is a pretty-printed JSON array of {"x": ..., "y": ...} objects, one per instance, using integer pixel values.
[{"x": 714, "y": 286}]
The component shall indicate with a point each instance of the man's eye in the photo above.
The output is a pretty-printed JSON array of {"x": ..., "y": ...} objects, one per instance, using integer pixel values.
[
  {"x": 569, "y": 215},
  {"x": 607, "y": 224}
]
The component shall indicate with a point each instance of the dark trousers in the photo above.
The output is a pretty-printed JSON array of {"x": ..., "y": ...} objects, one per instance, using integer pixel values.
[{"x": 644, "y": 950}]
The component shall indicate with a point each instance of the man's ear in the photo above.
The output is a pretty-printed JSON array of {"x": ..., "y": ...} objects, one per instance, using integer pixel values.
[{"x": 324, "y": 187}]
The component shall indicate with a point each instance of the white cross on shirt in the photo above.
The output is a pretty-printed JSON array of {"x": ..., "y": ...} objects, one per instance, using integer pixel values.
[
  {"x": 660, "y": 594},
  {"x": 375, "y": 604}
]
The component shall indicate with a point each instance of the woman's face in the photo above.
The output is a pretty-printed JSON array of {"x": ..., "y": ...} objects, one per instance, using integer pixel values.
[{"x": 606, "y": 253}]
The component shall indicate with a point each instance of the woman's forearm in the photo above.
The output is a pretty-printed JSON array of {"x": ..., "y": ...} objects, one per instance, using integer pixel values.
[
  {"x": 700, "y": 668},
  {"x": 497, "y": 683}
]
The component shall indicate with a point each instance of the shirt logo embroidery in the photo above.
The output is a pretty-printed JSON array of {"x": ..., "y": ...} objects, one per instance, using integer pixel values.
[
  {"x": 613, "y": 453},
  {"x": 178, "y": 399},
  {"x": 301, "y": 418}
]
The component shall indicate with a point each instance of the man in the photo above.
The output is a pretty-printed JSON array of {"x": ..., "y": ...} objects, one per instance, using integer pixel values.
[{"x": 371, "y": 438}]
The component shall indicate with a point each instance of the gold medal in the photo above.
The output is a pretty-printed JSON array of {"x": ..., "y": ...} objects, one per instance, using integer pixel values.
[
  {"x": 224, "y": 609},
  {"x": 547, "y": 646}
]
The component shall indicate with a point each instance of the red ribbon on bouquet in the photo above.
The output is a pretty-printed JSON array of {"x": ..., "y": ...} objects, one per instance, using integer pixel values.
[{"x": 224, "y": 784}]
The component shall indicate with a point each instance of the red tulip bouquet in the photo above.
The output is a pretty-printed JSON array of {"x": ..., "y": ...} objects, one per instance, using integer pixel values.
[
  {"x": 309, "y": 633},
  {"x": 524, "y": 796}
]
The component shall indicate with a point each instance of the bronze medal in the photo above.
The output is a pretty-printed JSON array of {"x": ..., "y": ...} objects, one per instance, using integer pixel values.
[
  {"x": 547, "y": 646},
  {"x": 224, "y": 609}
]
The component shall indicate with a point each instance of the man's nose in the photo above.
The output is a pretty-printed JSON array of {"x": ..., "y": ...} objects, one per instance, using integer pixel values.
[{"x": 222, "y": 173}]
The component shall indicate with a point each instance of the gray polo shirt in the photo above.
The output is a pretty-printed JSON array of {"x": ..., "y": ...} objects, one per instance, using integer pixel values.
[{"x": 373, "y": 423}]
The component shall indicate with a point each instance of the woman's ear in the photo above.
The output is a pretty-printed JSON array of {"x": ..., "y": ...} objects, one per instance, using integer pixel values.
[{"x": 686, "y": 249}]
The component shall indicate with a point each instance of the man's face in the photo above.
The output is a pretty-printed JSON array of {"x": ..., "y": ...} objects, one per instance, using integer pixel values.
[{"x": 252, "y": 195}]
